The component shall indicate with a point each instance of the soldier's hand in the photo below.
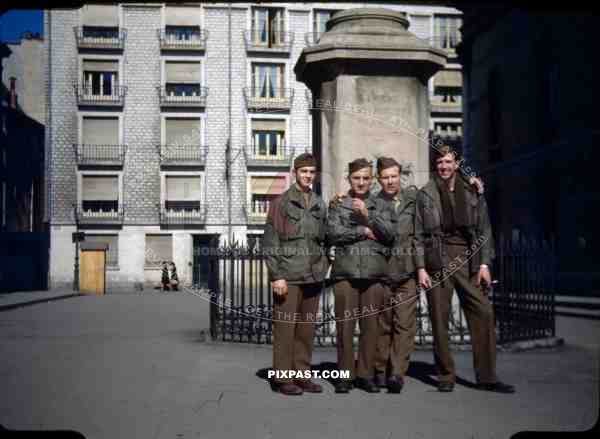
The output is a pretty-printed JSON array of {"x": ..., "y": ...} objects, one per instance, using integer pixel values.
[
  {"x": 280, "y": 287},
  {"x": 359, "y": 206},
  {"x": 424, "y": 279},
  {"x": 483, "y": 276},
  {"x": 369, "y": 234},
  {"x": 478, "y": 183},
  {"x": 337, "y": 198}
]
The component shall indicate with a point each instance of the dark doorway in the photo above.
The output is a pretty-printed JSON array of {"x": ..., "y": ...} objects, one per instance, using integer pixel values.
[{"x": 204, "y": 246}]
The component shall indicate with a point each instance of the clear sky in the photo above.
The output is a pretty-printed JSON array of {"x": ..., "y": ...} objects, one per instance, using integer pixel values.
[{"x": 16, "y": 21}]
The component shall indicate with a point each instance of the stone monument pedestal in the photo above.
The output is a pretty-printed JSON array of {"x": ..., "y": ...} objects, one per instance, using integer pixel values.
[{"x": 368, "y": 76}]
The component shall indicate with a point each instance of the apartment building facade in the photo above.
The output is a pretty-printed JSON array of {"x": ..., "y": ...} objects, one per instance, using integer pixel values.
[{"x": 170, "y": 127}]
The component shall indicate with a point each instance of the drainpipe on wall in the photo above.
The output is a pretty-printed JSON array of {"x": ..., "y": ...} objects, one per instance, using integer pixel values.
[
  {"x": 48, "y": 145},
  {"x": 228, "y": 161}
]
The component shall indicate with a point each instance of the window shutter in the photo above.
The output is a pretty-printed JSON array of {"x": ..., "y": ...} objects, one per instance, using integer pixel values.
[
  {"x": 183, "y": 188},
  {"x": 100, "y": 188},
  {"x": 182, "y": 16},
  {"x": 101, "y": 15},
  {"x": 176, "y": 129},
  {"x": 448, "y": 78},
  {"x": 100, "y": 131},
  {"x": 183, "y": 72},
  {"x": 268, "y": 125},
  {"x": 90, "y": 65}
]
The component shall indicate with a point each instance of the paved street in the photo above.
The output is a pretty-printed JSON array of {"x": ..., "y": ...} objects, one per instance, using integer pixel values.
[{"x": 137, "y": 366}]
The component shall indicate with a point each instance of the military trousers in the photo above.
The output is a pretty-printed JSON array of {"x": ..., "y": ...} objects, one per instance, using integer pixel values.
[
  {"x": 357, "y": 299},
  {"x": 294, "y": 328},
  {"x": 397, "y": 328},
  {"x": 478, "y": 312}
]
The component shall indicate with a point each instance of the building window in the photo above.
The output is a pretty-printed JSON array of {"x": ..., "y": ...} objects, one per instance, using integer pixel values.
[
  {"x": 182, "y": 33},
  {"x": 182, "y": 22},
  {"x": 100, "y": 130},
  {"x": 182, "y": 131},
  {"x": 448, "y": 95},
  {"x": 268, "y": 80},
  {"x": 159, "y": 248},
  {"x": 112, "y": 255},
  {"x": 268, "y": 138},
  {"x": 320, "y": 17},
  {"x": 263, "y": 189},
  {"x": 447, "y": 35},
  {"x": 100, "y": 21},
  {"x": 183, "y": 78},
  {"x": 183, "y": 193},
  {"x": 100, "y": 77},
  {"x": 100, "y": 194},
  {"x": 268, "y": 27}
]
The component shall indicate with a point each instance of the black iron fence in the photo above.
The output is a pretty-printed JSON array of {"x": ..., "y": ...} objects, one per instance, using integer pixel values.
[{"x": 523, "y": 297}]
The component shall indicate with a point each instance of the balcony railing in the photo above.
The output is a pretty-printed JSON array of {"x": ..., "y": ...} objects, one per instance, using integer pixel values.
[
  {"x": 263, "y": 156},
  {"x": 276, "y": 41},
  {"x": 448, "y": 133},
  {"x": 446, "y": 44},
  {"x": 183, "y": 41},
  {"x": 99, "y": 212},
  {"x": 89, "y": 95},
  {"x": 273, "y": 99},
  {"x": 182, "y": 213},
  {"x": 256, "y": 211},
  {"x": 182, "y": 155},
  {"x": 100, "y": 155},
  {"x": 439, "y": 106},
  {"x": 195, "y": 97},
  {"x": 100, "y": 38}
]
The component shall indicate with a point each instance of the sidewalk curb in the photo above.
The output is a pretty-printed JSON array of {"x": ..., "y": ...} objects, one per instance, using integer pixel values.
[
  {"x": 519, "y": 346},
  {"x": 11, "y": 306}
]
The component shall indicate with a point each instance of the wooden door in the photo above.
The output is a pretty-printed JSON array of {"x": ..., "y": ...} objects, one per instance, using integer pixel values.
[{"x": 91, "y": 272}]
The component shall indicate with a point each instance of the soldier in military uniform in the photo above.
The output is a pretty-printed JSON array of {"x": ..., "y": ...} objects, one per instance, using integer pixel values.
[
  {"x": 296, "y": 260},
  {"x": 355, "y": 229},
  {"x": 453, "y": 237},
  {"x": 398, "y": 320}
]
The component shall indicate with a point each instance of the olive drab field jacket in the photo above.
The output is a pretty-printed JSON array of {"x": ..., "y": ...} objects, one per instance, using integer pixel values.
[
  {"x": 294, "y": 239},
  {"x": 429, "y": 241},
  {"x": 402, "y": 259},
  {"x": 357, "y": 257}
]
